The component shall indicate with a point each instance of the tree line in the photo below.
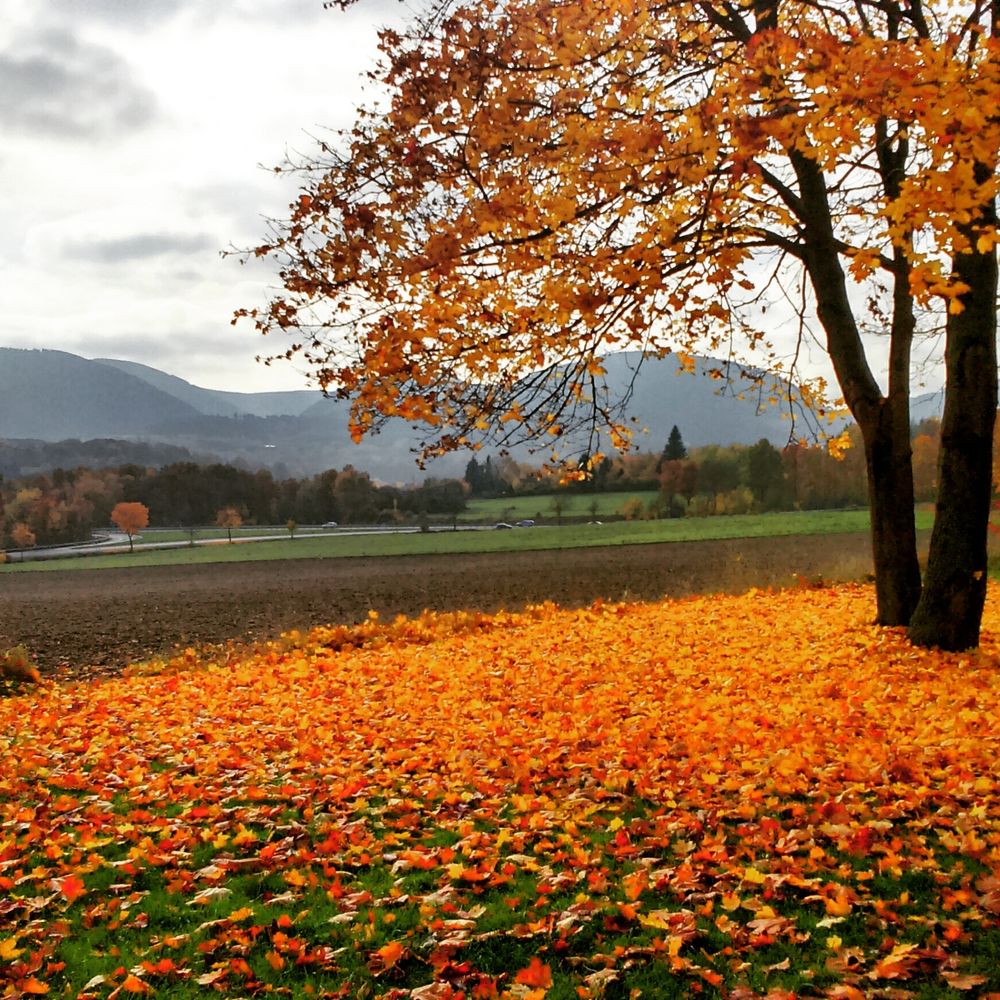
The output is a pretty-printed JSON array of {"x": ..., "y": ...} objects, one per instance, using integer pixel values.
[
  {"x": 719, "y": 479},
  {"x": 67, "y": 505},
  {"x": 760, "y": 477}
]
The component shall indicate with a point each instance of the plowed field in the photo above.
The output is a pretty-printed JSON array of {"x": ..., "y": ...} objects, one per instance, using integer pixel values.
[{"x": 99, "y": 621}]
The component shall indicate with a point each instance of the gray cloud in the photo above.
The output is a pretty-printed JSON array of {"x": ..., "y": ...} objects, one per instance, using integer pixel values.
[
  {"x": 139, "y": 246},
  {"x": 129, "y": 13},
  {"x": 54, "y": 84},
  {"x": 159, "y": 349},
  {"x": 299, "y": 13}
]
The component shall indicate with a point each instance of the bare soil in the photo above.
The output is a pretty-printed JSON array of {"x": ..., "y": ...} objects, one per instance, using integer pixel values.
[{"x": 85, "y": 622}]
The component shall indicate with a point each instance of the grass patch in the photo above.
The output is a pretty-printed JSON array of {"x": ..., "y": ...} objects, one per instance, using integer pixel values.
[{"x": 574, "y": 505}]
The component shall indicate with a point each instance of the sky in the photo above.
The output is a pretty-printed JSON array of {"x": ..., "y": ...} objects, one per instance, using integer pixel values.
[
  {"x": 137, "y": 140},
  {"x": 139, "y": 137}
]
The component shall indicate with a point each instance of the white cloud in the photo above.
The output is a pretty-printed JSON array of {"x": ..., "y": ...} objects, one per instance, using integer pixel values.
[{"x": 112, "y": 247}]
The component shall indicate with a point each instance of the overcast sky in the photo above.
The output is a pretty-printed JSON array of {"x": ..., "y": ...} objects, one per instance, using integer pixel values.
[
  {"x": 134, "y": 134},
  {"x": 136, "y": 137}
]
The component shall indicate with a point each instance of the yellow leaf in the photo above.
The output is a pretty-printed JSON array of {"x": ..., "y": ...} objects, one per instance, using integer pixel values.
[{"x": 9, "y": 949}]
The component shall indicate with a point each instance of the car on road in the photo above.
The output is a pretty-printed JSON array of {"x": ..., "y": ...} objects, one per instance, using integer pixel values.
[
  {"x": 329, "y": 524},
  {"x": 526, "y": 523},
  {"x": 502, "y": 526}
]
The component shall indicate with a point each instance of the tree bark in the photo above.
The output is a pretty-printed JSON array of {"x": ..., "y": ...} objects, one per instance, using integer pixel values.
[
  {"x": 884, "y": 420},
  {"x": 888, "y": 448},
  {"x": 890, "y": 494},
  {"x": 951, "y": 606}
]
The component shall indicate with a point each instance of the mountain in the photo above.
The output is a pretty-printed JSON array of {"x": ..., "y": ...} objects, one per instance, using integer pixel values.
[
  {"x": 218, "y": 402},
  {"x": 930, "y": 404},
  {"x": 54, "y": 396}
]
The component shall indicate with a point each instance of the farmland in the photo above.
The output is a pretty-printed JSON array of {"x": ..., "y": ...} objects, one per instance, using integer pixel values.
[{"x": 81, "y": 620}]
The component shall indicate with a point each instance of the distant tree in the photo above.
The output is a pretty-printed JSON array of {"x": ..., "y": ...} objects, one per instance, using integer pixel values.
[
  {"x": 229, "y": 518},
  {"x": 492, "y": 483},
  {"x": 436, "y": 496},
  {"x": 130, "y": 518},
  {"x": 22, "y": 536},
  {"x": 674, "y": 449},
  {"x": 560, "y": 505},
  {"x": 678, "y": 478},
  {"x": 357, "y": 497},
  {"x": 474, "y": 476},
  {"x": 632, "y": 509},
  {"x": 718, "y": 473},
  {"x": 766, "y": 475}
]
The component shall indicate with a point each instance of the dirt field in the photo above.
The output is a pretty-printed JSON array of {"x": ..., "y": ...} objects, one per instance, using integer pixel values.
[{"x": 84, "y": 622}]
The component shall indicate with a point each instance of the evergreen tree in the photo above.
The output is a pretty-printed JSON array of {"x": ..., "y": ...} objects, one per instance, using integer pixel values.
[
  {"x": 673, "y": 450},
  {"x": 474, "y": 477}
]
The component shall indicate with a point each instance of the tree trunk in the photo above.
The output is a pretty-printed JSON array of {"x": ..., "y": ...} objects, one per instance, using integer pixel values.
[
  {"x": 884, "y": 420},
  {"x": 951, "y": 605},
  {"x": 889, "y": 451},
  {"x": 894, "y": 539}
]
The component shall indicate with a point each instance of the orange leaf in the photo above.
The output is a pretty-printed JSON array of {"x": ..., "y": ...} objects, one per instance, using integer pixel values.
[
  {"x": 72, "y": 887},
  {"x": 536, "y": 974},
  {"x": 133, "y": 984},
  {"x": 839, "y": 905},
  {"x": 391, "y": 953},
  {"x": 32, "y": 985}
]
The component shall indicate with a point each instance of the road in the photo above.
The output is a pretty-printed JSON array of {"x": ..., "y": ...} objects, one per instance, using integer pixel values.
[{"x": 114, "y": 542}]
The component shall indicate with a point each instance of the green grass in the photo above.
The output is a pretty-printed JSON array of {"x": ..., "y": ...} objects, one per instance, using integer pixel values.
[
  {"x": 338, "y": 545},
  {"x": 247, "y": 531},
  {"x": 535, "y": 507}
]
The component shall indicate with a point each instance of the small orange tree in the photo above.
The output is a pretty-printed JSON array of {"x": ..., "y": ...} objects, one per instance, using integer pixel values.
[
  {"x": 22, "y": 536},
  {"x": 229, "y": 518},
  {"x": 130, "y": 518}
]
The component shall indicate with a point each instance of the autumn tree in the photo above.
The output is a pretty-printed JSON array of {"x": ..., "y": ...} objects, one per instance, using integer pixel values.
[
  {"x": 22, "y": 536},
  {"x": 229, "y": 518},
  {"x": 130, "y": 518},
  {"x": 548, "y": 183},
  {"x": 678, "y": 478}
]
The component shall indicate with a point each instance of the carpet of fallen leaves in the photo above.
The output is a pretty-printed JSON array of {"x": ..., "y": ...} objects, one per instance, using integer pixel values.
[{"x": 761, "y": 795}]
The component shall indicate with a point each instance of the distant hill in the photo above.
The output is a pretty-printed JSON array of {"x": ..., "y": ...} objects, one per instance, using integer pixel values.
[
  {"x": 54, "y": 396},
  {"x": 51, "y": 395},
  {"x": 22, "y": 458},
  {"x": 218, "y": 402}
]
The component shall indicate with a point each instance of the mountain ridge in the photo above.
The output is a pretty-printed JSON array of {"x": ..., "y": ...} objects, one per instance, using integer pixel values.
[{"x": 54, "y": 396}]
